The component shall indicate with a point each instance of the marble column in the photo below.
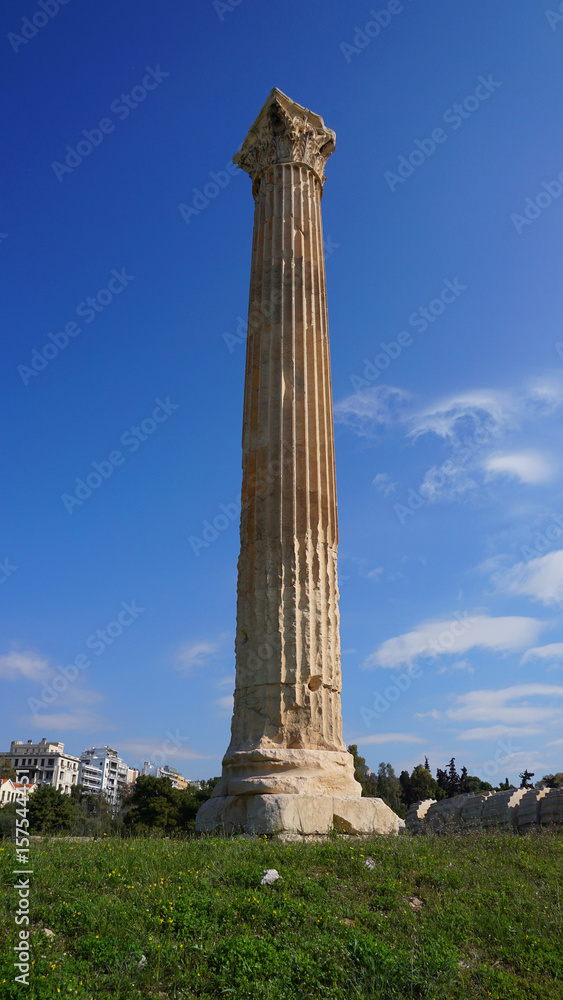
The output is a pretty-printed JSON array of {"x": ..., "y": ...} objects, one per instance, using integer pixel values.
[{"x": 286, "y": 737}]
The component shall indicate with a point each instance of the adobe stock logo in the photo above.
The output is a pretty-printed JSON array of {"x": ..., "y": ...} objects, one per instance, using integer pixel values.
[
  {"x": 31, "y": 26},
  {"x": 88, "y": 310},
  {"x": 130, "y": 439},
  {"x": 533, "y": 208}
]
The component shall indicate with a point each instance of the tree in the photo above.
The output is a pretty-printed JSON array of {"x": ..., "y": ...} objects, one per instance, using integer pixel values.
[
  {"x": 51, "y": 811},
  {"x": 7, "y": 769},
  {"x": 453, "y": 779},
  {"x": 389, "y": 788},
  {"x": 426, "y": 764},
  {"x": 363, "y": 775},
  {"x": 406, "y": 788},
  {"x": 191, "y": 799},
  {"x": 451, "y": 783},
  {"x": 505, "y": 786},
  {"x": 442, "y": 783},
  {"x": 154, "y": 803},
  {"x": 422, "y": 785},
  {"x": 96, "y": 814},
  {"x": 8, "y": 819},
  {"x": 525, "y": 779},
  {"x": 476, "y": 785},
  {"x": 551, "y": 781},
  {"x": 464, "y": 786}
]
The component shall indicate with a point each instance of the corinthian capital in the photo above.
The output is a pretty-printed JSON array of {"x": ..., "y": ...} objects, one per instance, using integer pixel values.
[{"x": 285, "y": 132}]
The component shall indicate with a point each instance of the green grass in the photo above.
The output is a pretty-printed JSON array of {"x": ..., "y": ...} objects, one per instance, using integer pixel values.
[{"x": 330, "y": 928}]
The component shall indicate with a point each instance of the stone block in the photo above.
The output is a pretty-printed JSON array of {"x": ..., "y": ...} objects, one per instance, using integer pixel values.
[
  {"x": 529, "y": 809},
  {"x": 296, "y": 815},
  {"x": 551, "y": 807},
  {"x": 501, "y": 809},
  {"x": 472, "y": 810},
  {"x": 416, "y": 812},
  {"x": 445, "y": 814}
]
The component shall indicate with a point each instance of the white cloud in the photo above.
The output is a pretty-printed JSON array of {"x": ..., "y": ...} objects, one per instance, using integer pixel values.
[
  {"x": 193, "y": 655},
  {"x": 224, "y": 705},
  {"x": 387, "y": 738},
  {"x": 145, "y": 748},
  {"x": 363, "y": 411},
  {"x": 456, "y": 636},
  {"x": 16, "y": 665},
  {"x": 465, "y": 413},
  {"x": 82, "y": 721},
  {"x": 59, "y": 701},
  {"x": 497, "y": 732},
  {"x": 375, "y": 574},
  {"x": 432, "y": 714},
  {"x": 544, "y": 395},
  {"x": 383, "y": 484},
  {"x": 527, "y": 466},
  {"x": 555, "y": 743},
  {"x": 228, "y": 681},
  {"x": 540, "y": 579},
  {"x": 553, "y": 652},
  {"x": 451, "y": 481},
  {"x": 495, "y": 706},
  {"x": 458, "y": 665}
]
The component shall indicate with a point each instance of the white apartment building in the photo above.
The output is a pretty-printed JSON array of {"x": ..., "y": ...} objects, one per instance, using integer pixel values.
[
  {"x": 11, "y": 790},
  {"x": 165, "y": 771},
  {"x": 102, "y": 770},
  {"x": 45, "y": 763}
]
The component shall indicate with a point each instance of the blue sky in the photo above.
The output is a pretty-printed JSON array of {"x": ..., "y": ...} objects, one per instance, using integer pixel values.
[{"x": 443, "y": 233}]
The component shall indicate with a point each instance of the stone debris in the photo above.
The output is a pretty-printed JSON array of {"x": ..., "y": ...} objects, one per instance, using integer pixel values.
[
  {"x": 48, "y": 933},
  {"x": 472, "y": 811},
  {"x": 142, "y": 962},
  {"x": 500, "y": 810},
  {"x": 369, "y": 863},
  {"x": 529, "y": 808},
  {"x": 445, "y": 814},
  {"x": 516, "y": 810},
  {"x": 415, "y": 815},
  {"x": 551, "y": 807},
  {"x": 415, "y": 903},
  {"x": 269, "y": 876}
]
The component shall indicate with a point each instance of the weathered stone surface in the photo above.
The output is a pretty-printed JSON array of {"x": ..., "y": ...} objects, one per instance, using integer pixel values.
[
  {"x": 414, "y": 820},
  {"x": 286, "y": 749},
  {"x": 269, "y": 876},
  {"x": 551, "y": 806},
  {"x": 518, "y": 809},
  {"x": 445, "y": 814},
  {"x": 501, "y": 809},
  {"x": 472, "y": 810},
  {"x": 272, "y": 770},
  {"x": 529, "y": 809},
  {"x": 364, "y": 816},
  {"x": 288, "y": 677},
  {"x": 298, "y": 815}
]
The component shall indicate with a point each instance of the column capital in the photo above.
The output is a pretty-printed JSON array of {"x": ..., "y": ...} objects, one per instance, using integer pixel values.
[{"x": 285, "y": 132}]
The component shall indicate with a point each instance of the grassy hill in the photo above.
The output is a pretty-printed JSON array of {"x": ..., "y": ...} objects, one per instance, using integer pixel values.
[{"x": 463, "y": 916}]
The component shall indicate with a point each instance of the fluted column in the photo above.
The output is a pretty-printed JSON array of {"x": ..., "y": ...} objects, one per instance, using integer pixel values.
[{"x": 287, "y": 712}]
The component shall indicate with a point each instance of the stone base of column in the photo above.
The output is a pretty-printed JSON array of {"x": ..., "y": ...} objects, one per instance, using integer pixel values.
[
  {"x": 274, "y": 770},
  {"x": 292, "y": 817}
]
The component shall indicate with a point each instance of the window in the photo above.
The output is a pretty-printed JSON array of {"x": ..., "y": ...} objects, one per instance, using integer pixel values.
[
  {"x": 35, "y": 762},
  {"x": 16, "y": 762},
  {"x": 50, "y": 762}
]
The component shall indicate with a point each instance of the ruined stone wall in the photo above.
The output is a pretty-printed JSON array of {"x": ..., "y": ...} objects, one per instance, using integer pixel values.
[{"x": 517, "y": 810}]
